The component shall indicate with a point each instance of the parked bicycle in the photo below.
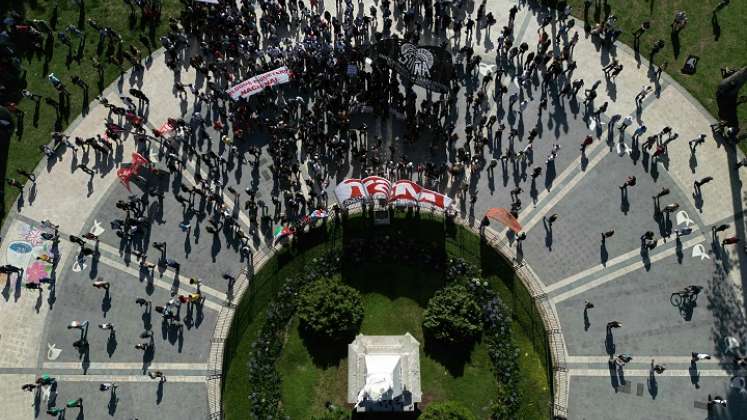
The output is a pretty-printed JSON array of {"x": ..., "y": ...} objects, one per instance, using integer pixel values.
[{"x": 688, "y": 295}]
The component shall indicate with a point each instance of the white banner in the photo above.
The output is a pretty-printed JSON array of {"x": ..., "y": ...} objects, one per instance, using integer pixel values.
[
  {"x": 209, "y": 1},
  {"x": 258, "y": 83}
]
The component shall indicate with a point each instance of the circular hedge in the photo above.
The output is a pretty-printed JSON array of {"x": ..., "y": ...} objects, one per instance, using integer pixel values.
[
  {"x": 329, "y": 309},
  {"x": 453, "y": 315}
]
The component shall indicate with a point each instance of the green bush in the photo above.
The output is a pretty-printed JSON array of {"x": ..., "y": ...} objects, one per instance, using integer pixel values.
[
  {"x": 453, "y": 315},
  {"x": 446, "y": 410},
  {"x": 330, "y": 309}
]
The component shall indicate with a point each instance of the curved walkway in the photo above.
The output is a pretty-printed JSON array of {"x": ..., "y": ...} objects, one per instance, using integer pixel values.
[{"x": 567, "y": 259}]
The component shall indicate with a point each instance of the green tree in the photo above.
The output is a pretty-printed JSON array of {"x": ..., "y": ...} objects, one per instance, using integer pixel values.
[
  {"x": 329, "y": 309},
  {"x": 446, "y": 410},
  {"x": 453, "y": 315}
]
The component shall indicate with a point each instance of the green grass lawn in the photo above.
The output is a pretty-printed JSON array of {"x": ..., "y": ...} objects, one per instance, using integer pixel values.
[
  {"x": 395, "y": 296},
  {"x": 24, "y": 150},
  {"x": 726, "y": 50}
]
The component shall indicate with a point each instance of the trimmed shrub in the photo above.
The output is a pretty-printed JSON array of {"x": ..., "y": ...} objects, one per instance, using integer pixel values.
[
  {"x": 453, "y": 315},
  {"x": 330, "y": 309}
]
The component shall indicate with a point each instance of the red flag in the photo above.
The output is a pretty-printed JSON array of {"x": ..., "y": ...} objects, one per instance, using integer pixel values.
[
  {"x": 138, "y": 160},
  {"x": 504, "y": 216},
  {"x": 124, "y": 174}
]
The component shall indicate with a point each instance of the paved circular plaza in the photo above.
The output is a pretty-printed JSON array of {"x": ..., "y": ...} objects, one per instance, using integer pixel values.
[{"x": 626, "y": 278}]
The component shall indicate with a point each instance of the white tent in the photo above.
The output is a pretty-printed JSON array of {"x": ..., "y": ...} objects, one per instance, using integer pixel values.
[{"x": 383, "y": 378}]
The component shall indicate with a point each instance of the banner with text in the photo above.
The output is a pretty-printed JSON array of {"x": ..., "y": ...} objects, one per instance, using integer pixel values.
[
  {"x": 258, "y": 83},
  {"x": 402, "y": 193}
]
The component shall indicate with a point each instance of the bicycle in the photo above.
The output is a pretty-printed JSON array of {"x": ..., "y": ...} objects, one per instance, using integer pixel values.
[{"x": 682, "y": 296}]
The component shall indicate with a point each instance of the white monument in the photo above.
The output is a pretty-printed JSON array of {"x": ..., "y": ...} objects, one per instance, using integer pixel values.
[{"x": 384, "y": 373}]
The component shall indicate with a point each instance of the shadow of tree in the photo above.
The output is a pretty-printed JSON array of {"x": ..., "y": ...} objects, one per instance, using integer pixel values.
[
  {"x": 325, "y": 351},
  {"x": 452, "y": 356}
]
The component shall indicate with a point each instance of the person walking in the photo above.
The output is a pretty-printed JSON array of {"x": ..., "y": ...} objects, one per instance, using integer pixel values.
[
  {"x": 614, "y": 324},
  {"x": 56, "y": 411},
  {"x": 76, "y": 403},
  {"x": 629, "y": 182},
  {"x": 696, "y": 357},
  {"x": 644, "y": 26},
  {"x": 157, "y": 375},
  {"x": 670, "y": 208},
  {"x": 662, "y": 193},
  {"x": 718, "y": 229},
  {"x": 29, "y": 387},
  {"x": 659, "y": 369},
  {"x": 143, "y": 302},
  {"x": 742, "y": 163},
  {"x": 694, "y": 143},
  {"x": 28, "y": 175},
  {"x": 588, "y": 140},
  {"x": 107, "y": 326},
  {"x": 608, "y": 234},
  {"x": 622, "y": 359},
  {"x": 143, "y": 346},
  {"x": 101, "y": 284},
  {"x": 78, "y": 325},
  {"x": 700, "y": 182},
  {"x": 106, "y": 386},
  {"x": 730, "y": 241},
  {"x": 717, "y": 400}
]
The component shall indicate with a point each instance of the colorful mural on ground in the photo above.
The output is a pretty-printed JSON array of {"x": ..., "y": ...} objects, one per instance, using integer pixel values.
[{"x": 29, "y": 251}]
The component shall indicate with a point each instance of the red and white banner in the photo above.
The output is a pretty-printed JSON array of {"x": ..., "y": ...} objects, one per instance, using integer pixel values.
[
  {"x": 258, "y": 83},
  {"x": 400, "y": 193}
]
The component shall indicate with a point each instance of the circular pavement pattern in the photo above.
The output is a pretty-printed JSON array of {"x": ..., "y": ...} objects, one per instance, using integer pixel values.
[{"x": 564, "y": 265}]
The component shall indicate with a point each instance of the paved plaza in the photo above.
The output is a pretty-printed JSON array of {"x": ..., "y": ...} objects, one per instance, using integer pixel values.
[{"x": 624, "y": 280}]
